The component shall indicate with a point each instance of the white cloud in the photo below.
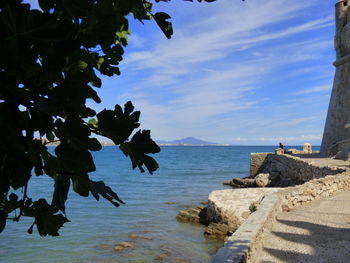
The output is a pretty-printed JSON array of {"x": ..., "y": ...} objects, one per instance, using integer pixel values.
[
  {"x": 315, "y": 89},
  {"x": 193, "y": 48},
  {"x": 304, "y": 138},
  {"x": 208, "y": 81}
]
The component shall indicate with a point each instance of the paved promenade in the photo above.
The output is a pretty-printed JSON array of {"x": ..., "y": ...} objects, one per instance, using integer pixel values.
[{"x": 318, "y": 232}]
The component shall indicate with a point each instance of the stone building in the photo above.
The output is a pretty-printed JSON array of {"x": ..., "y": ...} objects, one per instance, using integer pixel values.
[{"x": 336, "y": 131}]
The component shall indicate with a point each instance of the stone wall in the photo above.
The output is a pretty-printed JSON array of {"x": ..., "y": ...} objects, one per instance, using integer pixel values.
[
  {"x": 338, "y": 147},
  {"x": 246, "y": 243},
  {"x": 314, "y": 189},
  {"x": 290, "y": 167},
  {"x": 338, "y": 115},
  {"x": 256, "y": 162},
  {"x": 233, "y": 206}
]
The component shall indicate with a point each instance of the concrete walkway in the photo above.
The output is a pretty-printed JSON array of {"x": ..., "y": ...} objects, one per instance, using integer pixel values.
[{"x": 318, "y": 232}]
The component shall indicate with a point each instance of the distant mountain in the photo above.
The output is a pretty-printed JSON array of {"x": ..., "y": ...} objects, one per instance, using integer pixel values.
[{"x": 188, "y": 140}]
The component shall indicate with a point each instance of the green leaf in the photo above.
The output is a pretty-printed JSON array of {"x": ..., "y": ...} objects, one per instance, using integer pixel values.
[
  {"x": 10, "y": 134},
  {"x": 99, "y": 188},
  {"x": 81, "y": 185},
  {"x": 12, "y": 203},
  {"x": 46, "y": 5},
  {"x": 52, "y": 60},
  {"x": 76, "y": 134},
  {"x": 118, "y": 125},
  {"x": 140, "y": 145},
  {"x": 17, "y": 170},
  {"x": 47, "y": 220},
  {"x": 3, "y": 218},
  {"x": 166, "y": 26},
  {"x": 82, "y": 65},
  {"x": 93, "y": 123},
  {"x": 50, "y": 136},
  {"x": 60, "y": 194},
  {"x": 36, "y": 148},
  {"x": 76, "y": 161}
]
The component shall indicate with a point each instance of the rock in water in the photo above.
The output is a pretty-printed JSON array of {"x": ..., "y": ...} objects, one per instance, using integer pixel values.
[
  {"x": 126, "y": 244},
  {"x": 162, "y": 257},
  {"x": 118, "y": 248},
  {"x": 241, "y": 182},
  {"x": 231, "y": 207},
  {"x": 263, "y": 180},
  {"x": 194, "y": 215},
  {"x": 133, "y": 236},
  {"x": 217, "y": 231}
]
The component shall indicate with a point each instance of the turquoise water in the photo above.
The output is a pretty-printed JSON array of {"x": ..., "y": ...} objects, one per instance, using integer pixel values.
[{"x": 186, "y": 176}]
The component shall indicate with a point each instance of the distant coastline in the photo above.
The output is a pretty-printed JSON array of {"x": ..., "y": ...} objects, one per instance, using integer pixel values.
[
  {"x": 184, "y": 144},
  {"x": 172, "y": 144},
  {"x": 159, "y": 144}
]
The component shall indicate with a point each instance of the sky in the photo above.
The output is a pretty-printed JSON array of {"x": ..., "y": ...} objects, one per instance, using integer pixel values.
[{"x": 257, "y": 72}]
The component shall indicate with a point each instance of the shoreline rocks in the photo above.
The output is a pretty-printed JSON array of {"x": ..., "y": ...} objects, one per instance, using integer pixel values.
[
  {"x": 233, "y": 206},
  {"x": 193, "y": 215},
  {"x": 199, "y": 215},
  {"x": 123, "y": 245},
  {"x": 226, "y": 210},
  {"x": 272, "y": 179},
  {"x": 217, "y": 231}
]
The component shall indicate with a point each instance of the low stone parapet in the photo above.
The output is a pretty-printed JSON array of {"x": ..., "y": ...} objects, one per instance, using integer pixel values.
[
  {"x": 246, "y": 243},
  {"x": 233, "y": 206},
  {"x": 287, "y": 166}
]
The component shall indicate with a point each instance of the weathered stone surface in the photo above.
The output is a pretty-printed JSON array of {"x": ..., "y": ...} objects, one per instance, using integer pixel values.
[
  {"x": 118, "y": 248},
  {"x": 126, "y": 244},
  {"x": 257, "y": 161},
  {"x": 292, "y": 170},
  {"x": 248, "y": 237},
  {"x": 133, "y": 236},
  {"x": 228, "y": 182},
  {"x": 260, "y": 180},
  {"x": 162, "y": 257},
  {"x": 263, "y": 179},
  {"x": 194, "y": 215},
  {"x": 343, "y": 155},
  {"x": 105, "y": 246},
  {"x": 338, "y": 115},
  {"x": 241, "y": 182},
  {"x": 217, "y": 231},
  {"x": 170, "y": 203},
  {"x": 231, "y": 207}
]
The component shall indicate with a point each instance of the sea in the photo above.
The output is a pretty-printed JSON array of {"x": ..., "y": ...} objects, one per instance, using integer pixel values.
[{"x": 148, "y": 219}]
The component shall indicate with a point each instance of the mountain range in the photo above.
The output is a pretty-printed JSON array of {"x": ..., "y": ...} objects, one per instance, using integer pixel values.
[{"x": 188, "y": 140}]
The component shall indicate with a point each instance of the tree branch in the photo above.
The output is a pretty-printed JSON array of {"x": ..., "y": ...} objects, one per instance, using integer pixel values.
[{"x": 23, "y": 202}]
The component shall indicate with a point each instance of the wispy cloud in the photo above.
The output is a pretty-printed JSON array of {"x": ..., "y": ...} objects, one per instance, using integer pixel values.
[
  {"x": 231, "y": 72},
  {"x": 316, "y": 89},
  {"x": 291, "y": 139}
]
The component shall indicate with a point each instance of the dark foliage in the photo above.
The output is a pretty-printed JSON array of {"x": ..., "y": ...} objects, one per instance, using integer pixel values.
[{"x": 50, "y": 60}]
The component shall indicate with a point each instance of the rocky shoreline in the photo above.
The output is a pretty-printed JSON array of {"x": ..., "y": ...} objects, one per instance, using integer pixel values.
[{"x": 228, "y": 209}]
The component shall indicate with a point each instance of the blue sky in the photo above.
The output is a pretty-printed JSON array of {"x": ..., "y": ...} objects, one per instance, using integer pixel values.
[{"x": 253, "y": 72}]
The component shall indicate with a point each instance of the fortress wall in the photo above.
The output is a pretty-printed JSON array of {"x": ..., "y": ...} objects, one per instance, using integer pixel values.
[
  {"x": 338, "y": 115},
  {"x": 256, "y": 163},
  {"x": 289, "y": 167}
]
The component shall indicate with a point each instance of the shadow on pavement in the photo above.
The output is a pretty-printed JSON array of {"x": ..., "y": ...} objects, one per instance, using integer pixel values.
[{"x": 329, "y": 244}]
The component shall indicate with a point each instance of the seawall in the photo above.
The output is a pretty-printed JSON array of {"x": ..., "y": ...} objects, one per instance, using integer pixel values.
[
  {"x": 298, "y": 169},
  {"x": 318, "y": 178}
]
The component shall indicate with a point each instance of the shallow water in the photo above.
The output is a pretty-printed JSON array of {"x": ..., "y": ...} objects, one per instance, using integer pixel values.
[{"x": 186, "y": 176}]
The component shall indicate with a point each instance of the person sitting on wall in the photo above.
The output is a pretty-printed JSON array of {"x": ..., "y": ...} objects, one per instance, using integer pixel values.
[{"x": 281, "y": 147}]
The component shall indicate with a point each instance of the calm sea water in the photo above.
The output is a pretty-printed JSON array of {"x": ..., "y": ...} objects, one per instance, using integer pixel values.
[{"x": 186, "y": 176}]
